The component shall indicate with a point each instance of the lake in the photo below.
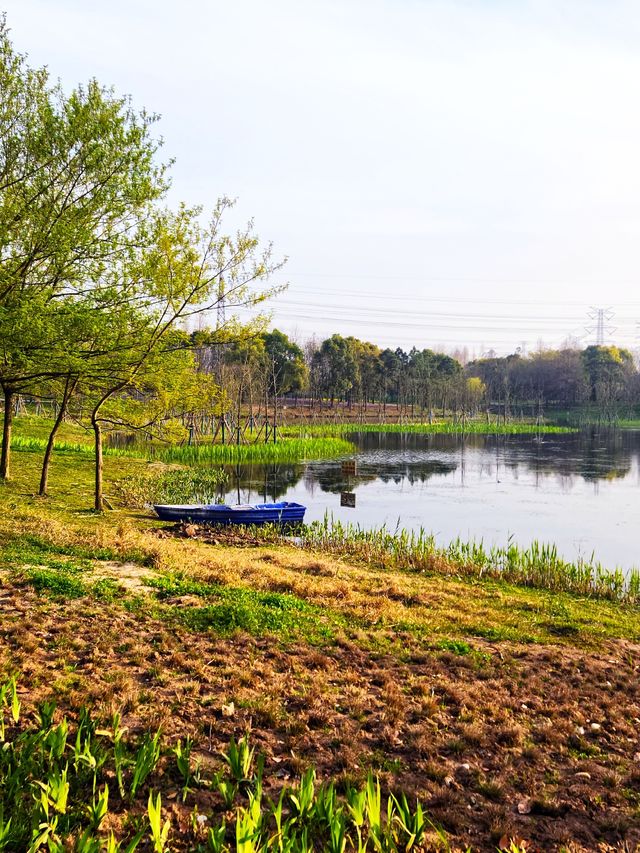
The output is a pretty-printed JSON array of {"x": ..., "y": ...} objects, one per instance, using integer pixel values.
[{"x": 580, "y": 491}]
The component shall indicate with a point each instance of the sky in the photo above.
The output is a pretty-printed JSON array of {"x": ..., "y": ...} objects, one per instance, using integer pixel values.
[{"x": 439, "y": 173}]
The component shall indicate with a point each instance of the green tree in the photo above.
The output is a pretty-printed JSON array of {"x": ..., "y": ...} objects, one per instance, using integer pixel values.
[
  {"x": 286, "y": 367},
  {"x": 337, "y": 368},
  {"x": 176, "y": 275},
  {"x": 608, "y": 371},
  {"x": 78, "y": 173}
]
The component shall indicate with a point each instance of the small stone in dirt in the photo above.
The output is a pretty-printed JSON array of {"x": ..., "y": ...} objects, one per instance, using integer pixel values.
[
  {"x": 524, "y": 806},
  {"x": 595, "y": 727},
  {"x": 228, "y": 710},
  {"x": 580, "y": 730},
  {"x": 466, "y": 767}
]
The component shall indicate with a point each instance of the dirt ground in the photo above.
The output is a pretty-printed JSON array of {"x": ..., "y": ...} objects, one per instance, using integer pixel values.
[{"x": 533, "y": 742}]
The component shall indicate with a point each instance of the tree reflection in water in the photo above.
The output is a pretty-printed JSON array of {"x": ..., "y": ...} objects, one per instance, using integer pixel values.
[{"x": 593, "y": 454}]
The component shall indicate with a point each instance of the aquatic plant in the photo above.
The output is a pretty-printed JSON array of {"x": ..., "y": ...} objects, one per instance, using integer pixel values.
[{"x": 286, "y": 450}]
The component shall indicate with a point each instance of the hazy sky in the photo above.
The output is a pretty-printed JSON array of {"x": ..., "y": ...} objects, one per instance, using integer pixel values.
[{"x": 438, "y": 173}]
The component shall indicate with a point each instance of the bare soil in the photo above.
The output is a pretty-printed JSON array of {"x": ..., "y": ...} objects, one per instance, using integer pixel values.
[{"x": 532, "y": 742}]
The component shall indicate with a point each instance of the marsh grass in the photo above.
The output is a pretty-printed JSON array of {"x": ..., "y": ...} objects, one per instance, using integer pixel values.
[
  {"x": 287, "y": 450},
  {"x": 467, "y": 427}
]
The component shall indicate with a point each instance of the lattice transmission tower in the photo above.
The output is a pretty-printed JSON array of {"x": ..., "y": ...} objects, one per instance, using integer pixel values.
[
  {"x": 601, "y": 328},
  {"x": 221, "y": 304}
]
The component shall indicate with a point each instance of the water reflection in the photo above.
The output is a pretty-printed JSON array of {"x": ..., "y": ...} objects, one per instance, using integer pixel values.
[
  {"x": 577, "y": 490},
  {"x": 398, "y": 457}
]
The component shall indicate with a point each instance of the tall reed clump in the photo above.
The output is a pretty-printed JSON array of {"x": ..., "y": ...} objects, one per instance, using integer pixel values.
[
  {"x": 286, "y": 450},
  {"x": 436, "y": 428},
  {"x": 538, "y": 566},
  {"x": 66, "y": 786}
]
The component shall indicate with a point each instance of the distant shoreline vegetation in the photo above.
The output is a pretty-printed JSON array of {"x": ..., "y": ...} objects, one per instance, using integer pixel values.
[
  {"x": 300, "y": 442},
  {"x": 296, "y": 443},
  {"x": 437, "y": 428}
]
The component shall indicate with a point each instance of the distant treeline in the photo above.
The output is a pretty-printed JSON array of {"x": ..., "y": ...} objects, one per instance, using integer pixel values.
[{"x": 354, "y": 372}]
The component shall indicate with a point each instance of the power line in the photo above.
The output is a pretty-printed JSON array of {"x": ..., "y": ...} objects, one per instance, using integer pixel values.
[
  {"x": 286, "y": 303},
  {"x": 368, "y": 295},
  {"x": 466, "y": 279}
]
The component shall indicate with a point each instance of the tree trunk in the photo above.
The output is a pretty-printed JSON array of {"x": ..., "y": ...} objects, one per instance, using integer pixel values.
[
  {"x": 62, "y": 410},
  {"x": 97, "y": 431},
  {"x": 9, "y": 396},
  {"x": 275, "y": 416}
]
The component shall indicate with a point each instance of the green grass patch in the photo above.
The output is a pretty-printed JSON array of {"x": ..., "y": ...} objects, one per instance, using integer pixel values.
[
  {"x": 458, "y": 647},
  {"x": 60, "y": 571},
  {"x": 231, "y": 609},
  {"x": 58, "y": 583},
  {"x": 22, "y": 552}
]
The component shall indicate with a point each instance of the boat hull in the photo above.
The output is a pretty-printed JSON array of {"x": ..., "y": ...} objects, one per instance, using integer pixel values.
[{"x": 274, "y": 513}]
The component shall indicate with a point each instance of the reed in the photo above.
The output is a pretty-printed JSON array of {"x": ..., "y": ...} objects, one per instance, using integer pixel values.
[
  {"x": 287, "y": 450},
  {"x": 538, "y": 566}
]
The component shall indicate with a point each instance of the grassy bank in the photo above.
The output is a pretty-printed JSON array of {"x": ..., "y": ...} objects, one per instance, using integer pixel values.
[
  {"x": 506, "y": 710},
  {"x": 538, "y": 565}
]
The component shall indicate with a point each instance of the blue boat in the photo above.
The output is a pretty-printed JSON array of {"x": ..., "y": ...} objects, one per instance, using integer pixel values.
[{"x": 284, "y": 512}]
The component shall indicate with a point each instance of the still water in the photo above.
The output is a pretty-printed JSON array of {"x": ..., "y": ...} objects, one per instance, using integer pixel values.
[{"x": 579, "y": 491}]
